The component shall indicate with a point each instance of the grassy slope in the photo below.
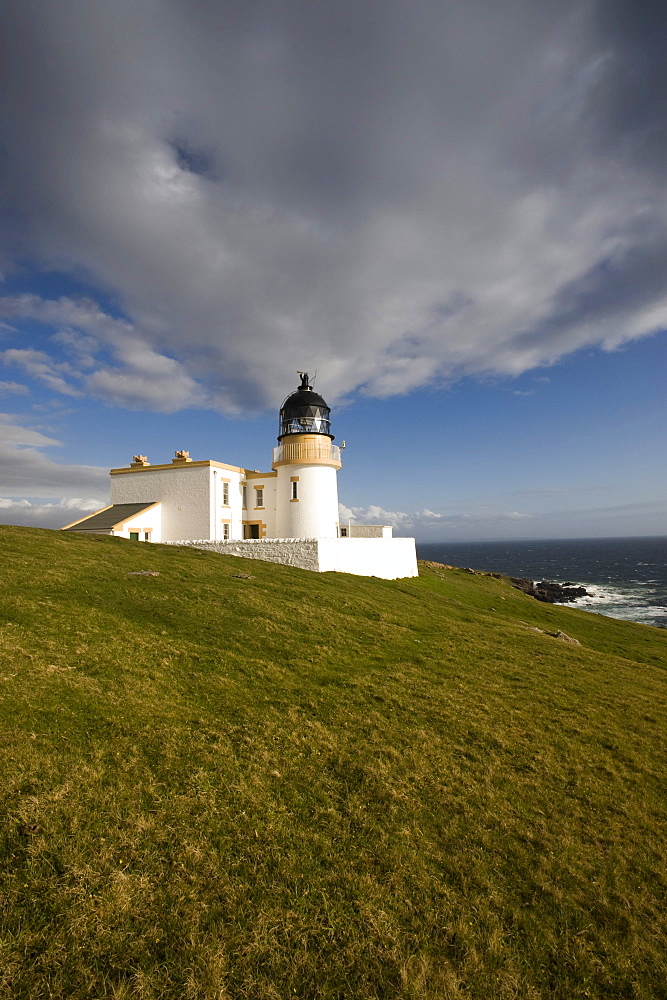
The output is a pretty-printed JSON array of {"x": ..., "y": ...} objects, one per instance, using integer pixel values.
[{"x": 312, "y": 786}]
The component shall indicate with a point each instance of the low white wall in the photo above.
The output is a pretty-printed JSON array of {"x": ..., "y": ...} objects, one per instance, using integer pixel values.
[
  {"x": 299, "y": 552},
  {"x": 387, "y": 558}
]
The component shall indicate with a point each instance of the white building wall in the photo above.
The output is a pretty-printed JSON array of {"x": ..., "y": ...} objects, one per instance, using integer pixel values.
[
  {"x": 270, "y": 504},
  {"x": 265, "y": 514},
  {"x": 221, "y": 512},
  {"x": 192, "y": 497},
  {"x": 183, "y": 491},
  {"x": 146, "y": 522},
  {"x": 315, "y": 513}
]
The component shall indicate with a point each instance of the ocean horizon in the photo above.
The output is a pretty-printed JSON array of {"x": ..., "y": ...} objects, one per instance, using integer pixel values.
[{"x": 625, "y": 577}]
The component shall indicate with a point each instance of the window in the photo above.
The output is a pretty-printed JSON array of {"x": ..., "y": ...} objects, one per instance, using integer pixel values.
[
  {"x": 134, "y": 536},
  {"x": 225, "y": 531},
  {"x": 225, "y": 494},
  {"x": 295, "y": 491},
  {"x": 259, "y": 496},
  {"x": 245, "y": 496},
  {"x": 343, "y": 532}
]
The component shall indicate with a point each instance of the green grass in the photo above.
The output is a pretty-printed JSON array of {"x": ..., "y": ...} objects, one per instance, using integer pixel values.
[{"x": 320, "y": 786}]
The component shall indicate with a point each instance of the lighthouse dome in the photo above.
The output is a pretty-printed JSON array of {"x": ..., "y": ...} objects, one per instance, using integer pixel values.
[{"x": 304, "y": 412}]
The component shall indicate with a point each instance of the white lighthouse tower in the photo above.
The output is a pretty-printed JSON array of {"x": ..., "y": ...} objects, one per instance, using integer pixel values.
[{"x": 306, "y": 463}]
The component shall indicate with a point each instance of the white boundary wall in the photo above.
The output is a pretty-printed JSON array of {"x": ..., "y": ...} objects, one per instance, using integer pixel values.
[{"x": 387, "y": 558}]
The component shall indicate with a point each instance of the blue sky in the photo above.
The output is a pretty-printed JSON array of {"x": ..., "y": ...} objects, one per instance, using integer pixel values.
[{"x": 455, "y": 214}]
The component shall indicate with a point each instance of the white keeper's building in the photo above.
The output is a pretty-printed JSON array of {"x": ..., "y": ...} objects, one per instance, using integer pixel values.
[{"x": 288, "y": 515}]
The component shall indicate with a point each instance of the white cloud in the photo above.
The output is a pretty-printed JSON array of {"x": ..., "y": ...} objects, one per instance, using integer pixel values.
[
  {"x": 15, "y": 436},
  {"x": 392, "y": 196},
  {"x": 26, "y": 472},
  {"x": 42, "y": 367},
  {"x": 46, "y": 515},
  {"x": 480, "y": 523},
  {"x": 14, "y": 387},
  {"x": 81, "y": 347},
  {"x": 166, "y": 389},
  {"x": 145, "y": 378},
  {"x": 559, "y": 491},
  {"x": 428, "y": 523}
]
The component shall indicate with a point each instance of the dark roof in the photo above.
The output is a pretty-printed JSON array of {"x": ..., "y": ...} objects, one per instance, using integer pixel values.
[
  {"x": 303, "y": 398},
  {"x": 304, "y": 412},
  {"x": 110, "y": 517}
]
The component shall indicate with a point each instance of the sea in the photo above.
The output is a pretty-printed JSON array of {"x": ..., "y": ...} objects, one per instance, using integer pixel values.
[{"x": 625, "y": 577}]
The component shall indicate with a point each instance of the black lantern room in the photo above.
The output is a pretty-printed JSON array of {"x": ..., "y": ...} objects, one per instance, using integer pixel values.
[{"x": 304, "y": 412}]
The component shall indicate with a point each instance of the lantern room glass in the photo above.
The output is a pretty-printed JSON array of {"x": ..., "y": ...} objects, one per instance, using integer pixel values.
[{"x": 302, "y": 424}]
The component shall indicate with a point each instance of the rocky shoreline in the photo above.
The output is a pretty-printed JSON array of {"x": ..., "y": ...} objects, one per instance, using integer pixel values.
[{"x": 551, "y": 593}]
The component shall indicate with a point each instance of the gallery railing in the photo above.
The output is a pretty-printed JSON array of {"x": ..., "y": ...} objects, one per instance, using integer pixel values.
[{"x": 307, "y": 451}]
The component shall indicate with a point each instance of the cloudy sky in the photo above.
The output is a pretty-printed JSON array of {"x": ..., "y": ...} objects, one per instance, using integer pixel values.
[{"x": 454, "y": 211}]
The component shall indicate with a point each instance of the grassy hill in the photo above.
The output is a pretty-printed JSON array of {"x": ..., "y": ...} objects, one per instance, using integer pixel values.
[{"x": 241, "y": 780}]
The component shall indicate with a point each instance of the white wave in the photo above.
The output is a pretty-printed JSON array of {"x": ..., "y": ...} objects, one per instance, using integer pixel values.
[
  {"x": 628, "y": 604},
  {"x": 604, "y": 595},
  {"x": 646, "y": 615}
]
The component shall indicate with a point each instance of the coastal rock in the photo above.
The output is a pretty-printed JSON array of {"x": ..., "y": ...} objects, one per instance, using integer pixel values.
[
  {"x": 550, "y": 593},
  {"x": 563, "y": 636}
]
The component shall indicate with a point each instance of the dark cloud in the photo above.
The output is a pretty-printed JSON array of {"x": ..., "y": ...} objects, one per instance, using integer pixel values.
[
  {"x": 606, "y": 298},
  {"x": 634, "y": 278},
  {"x": 390, "y": 192},
  {"x": 634, "y": 97},
  {"x": 202, "y": 162}
]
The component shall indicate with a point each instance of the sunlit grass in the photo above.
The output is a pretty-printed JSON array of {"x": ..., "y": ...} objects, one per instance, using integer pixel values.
[{"x": 322, "y": 786}]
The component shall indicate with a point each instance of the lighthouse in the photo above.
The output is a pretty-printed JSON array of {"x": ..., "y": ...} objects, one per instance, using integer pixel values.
[
  {"x": 306, "y": 463},
  {"x": 287, "y": 516}
]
